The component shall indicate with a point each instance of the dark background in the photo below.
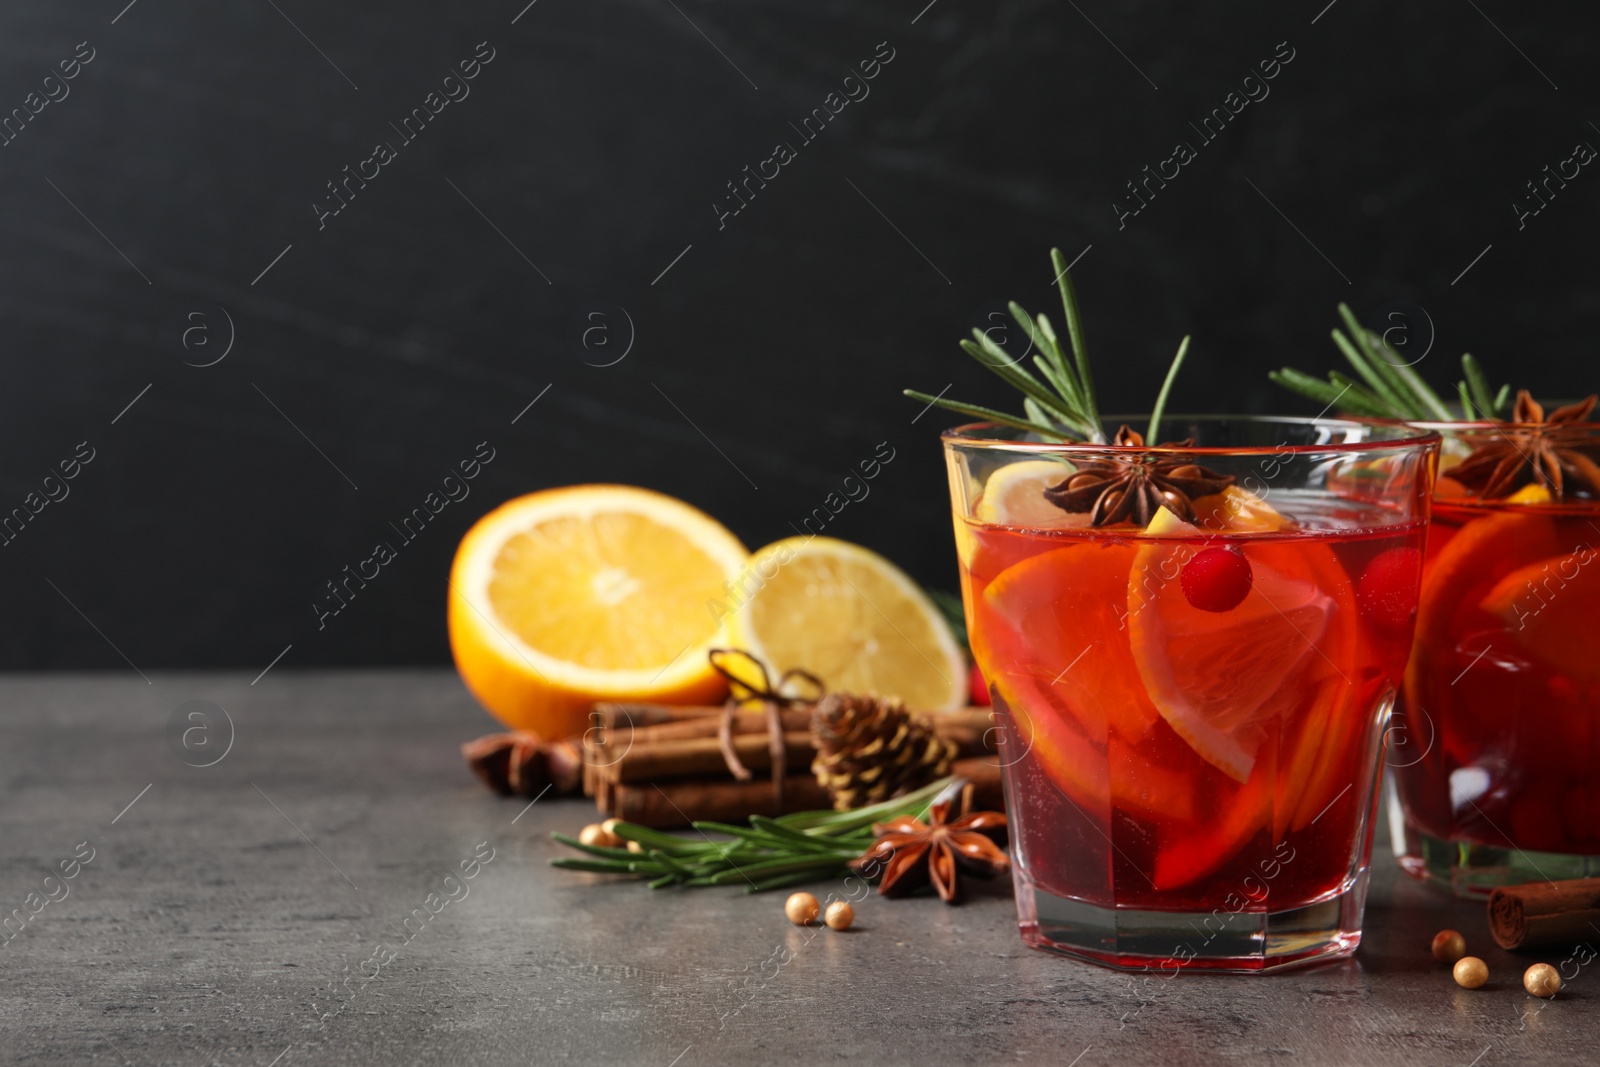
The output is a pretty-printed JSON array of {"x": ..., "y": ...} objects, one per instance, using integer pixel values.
[{"x": 595, "y": 143}]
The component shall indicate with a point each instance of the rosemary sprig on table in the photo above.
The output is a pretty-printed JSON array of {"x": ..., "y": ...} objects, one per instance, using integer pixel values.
[
  {"x": 1063, "y": 405},
  {"x": 1389, "y": 388},
  {"x": 768, "y": 854}
]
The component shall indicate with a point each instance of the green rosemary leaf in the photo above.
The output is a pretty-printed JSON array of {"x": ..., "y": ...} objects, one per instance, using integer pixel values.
[
  {"x": 1420, "y": 390},
  {"x": 668, "y": 862},
  {"x": 1166, "y": 387},
  {"x": 754, "y": 872},
  {"x": 1036, "y": 413},
  {"x": 1051, "y": 362},
  {"x": 1468, "y": 411},
  {"x": 1057, "y": 354},
  {"x": 1300, "y": 382},
  {"x": 783, "y": 881},
  {"x": 1357, "y": 399},
  {"x": 987, "y": 414},
  {"x": 1080, "y": 348},
  {"x": 1500, "y": 399},
  {"x": 1328, "y": 393},
  {"x": 816, "y": 843},
  {"x": 1382, "y": 367},
  {"x": 649, "y": 838},
  {"x": 986, "y": 351},
  {"x": 1478, "y": 384},
  {"x": 1053, "y": 376},
  {"x": 568, "y": 863},
  {"x": 664, "y": 881},
  {"x": 843, "y": 822},
  {"x": 595, "y": 850},
  {"x": 1394, "y": 408}
]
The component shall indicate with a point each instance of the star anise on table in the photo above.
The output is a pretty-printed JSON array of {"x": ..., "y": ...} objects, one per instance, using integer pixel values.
[
  {"x": 1557, "y": 452},
  {"x": 1112, "y": 490},
  {"x": 910, "y": 854}
]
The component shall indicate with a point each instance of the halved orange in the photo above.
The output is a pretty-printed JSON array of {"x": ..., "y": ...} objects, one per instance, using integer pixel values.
[{"x": 592, "y": 592}]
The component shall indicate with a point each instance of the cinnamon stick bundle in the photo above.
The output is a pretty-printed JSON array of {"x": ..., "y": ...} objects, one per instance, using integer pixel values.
[
  {"x": 703, "y": 757},
  {"x": 1545, "y": 913},
  {"x": 668, "y": 805}
]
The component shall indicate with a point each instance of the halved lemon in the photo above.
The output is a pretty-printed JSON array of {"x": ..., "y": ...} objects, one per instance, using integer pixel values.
[
  {"x": 850, "y": 617},
  {"x": 590, "y": 592}
]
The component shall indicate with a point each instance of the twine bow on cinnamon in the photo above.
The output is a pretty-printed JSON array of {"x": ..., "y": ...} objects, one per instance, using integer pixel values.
[{"x": 773, "y": 697}]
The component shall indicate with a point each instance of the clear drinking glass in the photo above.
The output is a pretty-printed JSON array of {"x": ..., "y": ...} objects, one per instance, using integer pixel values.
[
  {"x": 1191, "y": 763},
  {"x": 1495, "y": 783}
]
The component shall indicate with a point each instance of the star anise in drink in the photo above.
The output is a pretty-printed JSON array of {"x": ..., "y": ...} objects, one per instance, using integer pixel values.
[
  {"x": 1134, "y": 487},
  {"x": 1556, "y": 452},
  {"x": 910, "y": 854}
]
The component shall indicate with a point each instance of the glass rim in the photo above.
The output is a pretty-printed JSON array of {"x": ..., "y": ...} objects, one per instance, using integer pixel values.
[
  {"x": 1421, "y": 435},
  {"x": 1476, "y": 425}
]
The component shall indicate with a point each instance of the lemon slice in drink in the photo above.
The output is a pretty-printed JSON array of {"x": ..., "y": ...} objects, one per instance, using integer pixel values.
[
  {"x": 850, "y": 617},
  {"x": 1014, "y": 495}
]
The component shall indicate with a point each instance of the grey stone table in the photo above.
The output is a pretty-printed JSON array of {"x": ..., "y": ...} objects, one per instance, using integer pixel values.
[{"x": 255, "y": 912}]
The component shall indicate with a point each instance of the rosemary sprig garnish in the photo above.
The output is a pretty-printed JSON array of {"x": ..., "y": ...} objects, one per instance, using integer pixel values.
[
  {"x": 1062, "y": 406},
  {"x": 803, "y": 846},
  {"x": 1389, "y": 388}
]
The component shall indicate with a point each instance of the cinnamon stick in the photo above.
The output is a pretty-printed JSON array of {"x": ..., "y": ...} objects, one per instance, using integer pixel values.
[
  {"x": 703, "y": 723},
  {"x": 676, "y": 803},
  {"x": 702, "y": 757},
  {"x": 667, "y": 805},
  {"x": 973, "y": 729},
  {"x": 1545, "y": 913},
  {"x": 612, "y": 716}
]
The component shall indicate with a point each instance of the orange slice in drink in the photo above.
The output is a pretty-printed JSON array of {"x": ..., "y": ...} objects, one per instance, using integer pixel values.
[
  {"x": 1549, "y": 607},
  {"x": 1236, "y": 510},
  {"x": 1213, "y": 676},
  {"x": 590, "y": 592},
  {"x": 1047, "y": 730},
  {"x": 1256, "y": 691},
  {"x": 1060, "y": 613},
  {"x": 1483, "y": 550}
]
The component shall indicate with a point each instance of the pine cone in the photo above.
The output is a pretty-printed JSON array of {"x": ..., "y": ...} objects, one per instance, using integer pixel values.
[{"x": 870, "y": 749}]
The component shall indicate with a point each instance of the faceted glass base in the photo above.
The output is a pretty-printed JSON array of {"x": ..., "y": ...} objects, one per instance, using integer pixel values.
[
  {"x": 1469, "y": 869},
  {"x": 1166, "y": 942}
]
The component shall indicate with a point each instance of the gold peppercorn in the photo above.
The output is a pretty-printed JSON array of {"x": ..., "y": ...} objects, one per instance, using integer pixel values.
[
  {"x": 801, "y": 908},
  {"x": 840, "y": 915},
  {"x": 634, "y": 846},
  {"x": 1448, "y": 946},
  {"x": 596, "y": 835},
  {"x": 1470, "y": 972},
  {"x": 1541, "y": 980}
]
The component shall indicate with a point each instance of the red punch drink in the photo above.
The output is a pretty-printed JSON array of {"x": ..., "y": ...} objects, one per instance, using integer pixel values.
[
  {"x": 1496, "y": 782},
  {"x": 1193, "y": 687}
]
